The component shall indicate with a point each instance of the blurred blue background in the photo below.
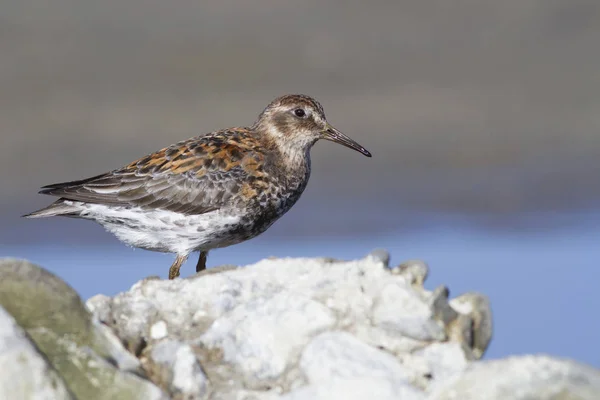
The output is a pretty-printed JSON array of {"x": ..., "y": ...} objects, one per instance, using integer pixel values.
[{"x": 482, "y": 116}]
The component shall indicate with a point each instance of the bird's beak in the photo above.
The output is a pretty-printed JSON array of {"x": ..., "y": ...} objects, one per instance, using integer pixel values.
[{"x": 330, "y": 133}]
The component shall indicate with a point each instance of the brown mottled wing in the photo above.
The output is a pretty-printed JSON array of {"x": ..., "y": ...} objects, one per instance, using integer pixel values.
[{"x": 192, "y": 177}]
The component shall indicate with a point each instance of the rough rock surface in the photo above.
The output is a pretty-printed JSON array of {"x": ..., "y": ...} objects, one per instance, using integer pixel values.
[
  {"x": 292, "y": 329},
  {"x": 523, "y": 378},
  {"x": 24, "y": 373},
  {"x": 87, "y": 356}
]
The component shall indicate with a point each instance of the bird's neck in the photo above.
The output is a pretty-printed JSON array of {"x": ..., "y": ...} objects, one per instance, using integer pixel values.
[
  {"x": 293, "y": 153},
  {"x": 293, "y": 169},
  {"x": 294, "y": 157}
]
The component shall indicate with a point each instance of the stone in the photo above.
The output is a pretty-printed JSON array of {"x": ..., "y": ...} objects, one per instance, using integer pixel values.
[
  {"x": 82, "y": 352},
  {"x": 530, "y": 377},
  {"x": 26, "y": 375},
  {"x": 55, "y": 306},
  {"x": 475, "y": 322},
  {"x": 339, "y": 366},
  {"x": 280, "y": 329},
  {"x": 264, "y": 334},
  {"x": 416, "y": 271},
  {"x": 382, "y": 255},
  {"x": 174, "y": 367},
  {"x": 257, "y": 331}
]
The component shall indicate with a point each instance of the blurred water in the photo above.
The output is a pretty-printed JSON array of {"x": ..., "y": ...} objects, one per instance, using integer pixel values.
[{"x": 542, "y": 284}]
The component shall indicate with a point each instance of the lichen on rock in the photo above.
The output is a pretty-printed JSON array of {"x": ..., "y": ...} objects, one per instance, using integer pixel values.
[{"x": 62, "y": 329}]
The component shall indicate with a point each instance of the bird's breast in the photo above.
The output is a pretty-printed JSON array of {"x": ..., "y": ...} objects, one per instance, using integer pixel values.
[{"x": 270, "y": 200}]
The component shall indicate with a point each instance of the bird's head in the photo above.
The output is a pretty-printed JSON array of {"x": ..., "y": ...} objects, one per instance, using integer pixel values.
[{"x": 295, "y": 122}]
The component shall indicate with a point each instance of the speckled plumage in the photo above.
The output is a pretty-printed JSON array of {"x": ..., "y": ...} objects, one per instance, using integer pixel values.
[{"x": 206, "y": 192}]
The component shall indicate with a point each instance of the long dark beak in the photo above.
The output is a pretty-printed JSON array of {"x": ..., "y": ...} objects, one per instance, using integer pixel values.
[{"x": 330, "y": 133}]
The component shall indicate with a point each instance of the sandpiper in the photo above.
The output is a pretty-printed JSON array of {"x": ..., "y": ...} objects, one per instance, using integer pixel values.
[{"x": 209, "y": 191}]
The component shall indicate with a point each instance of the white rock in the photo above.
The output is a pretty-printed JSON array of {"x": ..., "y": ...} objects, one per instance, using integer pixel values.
[
  {"x": 296, "y": 329},
  {"x": 401, "y": 309},
  {"x": 184, "y": 373},
  {"x": 159, "y": 330},
  {"x": 100, "y": 306},
  {"x": 111, "y": 343},
  {"x": 523, "y": 378},
  {"x": 265, "y": 335},
  {"x": 477, "y": 308},
  {"x": 435, "y": 364},
  {"x": 339, "y": 366},
  {"x": 24, "y": 373}
]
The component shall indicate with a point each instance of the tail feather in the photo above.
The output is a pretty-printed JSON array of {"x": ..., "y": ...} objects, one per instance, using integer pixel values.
[{"x": 60, "y": 207}]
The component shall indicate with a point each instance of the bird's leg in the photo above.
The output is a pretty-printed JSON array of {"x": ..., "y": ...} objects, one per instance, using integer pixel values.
[
  {"x": 174, "y": 270},
  {"x": 201, "y": 266}
]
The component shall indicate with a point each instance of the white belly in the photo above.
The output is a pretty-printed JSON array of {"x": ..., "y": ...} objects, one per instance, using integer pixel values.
[{"x": 162, "y": 230}]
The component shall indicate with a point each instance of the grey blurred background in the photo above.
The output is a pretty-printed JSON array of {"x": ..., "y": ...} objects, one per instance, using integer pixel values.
[
  {"x": 483, "y": 117},
  {"x": 486, "y": 109}
]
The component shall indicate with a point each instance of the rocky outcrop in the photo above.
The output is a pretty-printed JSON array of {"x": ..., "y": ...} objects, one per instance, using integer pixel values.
[
  {"x": 523, "y": 378},
  {"x": 279, "y": 329},
  {"x": 80, "y": 358},
  {"x": 24, "y": 372}
]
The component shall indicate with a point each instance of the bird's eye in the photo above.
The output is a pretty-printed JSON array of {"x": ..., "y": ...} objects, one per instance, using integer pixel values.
[{"x": 300, "y": 113}]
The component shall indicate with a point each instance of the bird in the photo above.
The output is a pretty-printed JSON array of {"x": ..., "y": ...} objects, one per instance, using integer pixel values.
[{"x": 207, "y": 192}]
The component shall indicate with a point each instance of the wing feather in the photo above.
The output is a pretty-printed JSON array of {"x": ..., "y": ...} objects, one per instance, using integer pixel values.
[{"x": 193, "y": 177}]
